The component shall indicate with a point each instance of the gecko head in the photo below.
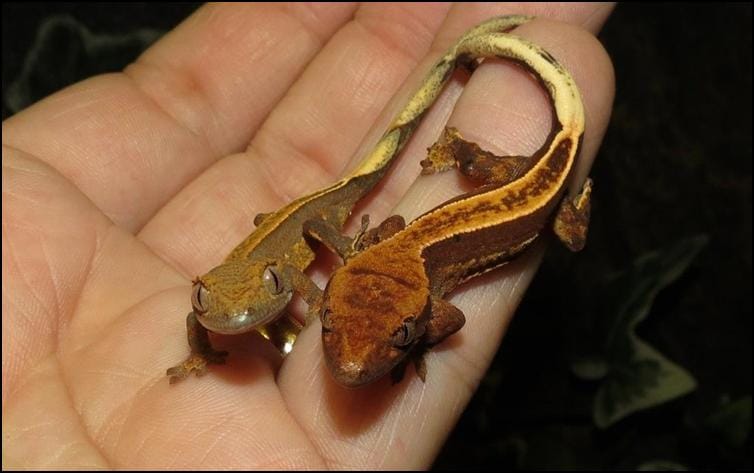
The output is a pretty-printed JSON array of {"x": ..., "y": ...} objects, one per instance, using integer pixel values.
[
  {"x": 370, "y": 323},
  {"x": 239, "y": 296}
]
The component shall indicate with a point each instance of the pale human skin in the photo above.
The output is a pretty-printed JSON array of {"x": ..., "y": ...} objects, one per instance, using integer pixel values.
[{"x": 117, "y": 191}]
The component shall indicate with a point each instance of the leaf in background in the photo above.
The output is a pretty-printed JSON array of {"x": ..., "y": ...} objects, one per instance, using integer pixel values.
[
  {"x": 639, "y": 376},
  {"x": 662, "y": 465},
  {"x": 645, "y": 381},
  {"x": 65, "y": 51},
  {"x": 590, "y": 368},
  {"x": 732, "y": 422}
]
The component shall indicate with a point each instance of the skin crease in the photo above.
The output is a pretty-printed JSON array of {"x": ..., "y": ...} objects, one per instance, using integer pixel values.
[{"x": 96, "y": 282}]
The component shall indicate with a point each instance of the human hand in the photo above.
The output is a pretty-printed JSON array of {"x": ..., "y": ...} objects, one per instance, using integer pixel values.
[{"x": 114, "y": 197}]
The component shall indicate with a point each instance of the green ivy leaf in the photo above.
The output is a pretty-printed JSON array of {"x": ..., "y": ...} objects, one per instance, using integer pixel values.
[
  {"x": 590, "y": 368},
  {"x": 662, "y": 465},
  {"x": 66, "y": 51},
  {"x": 640, "y": 377},
  {"x": 648, "y": 379},
  {"x": 732, "y": 422}
]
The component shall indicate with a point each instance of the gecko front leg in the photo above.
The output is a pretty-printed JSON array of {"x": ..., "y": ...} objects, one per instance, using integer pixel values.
[
  {"x": 572, "y": 220},
  {"x": 445, "y": 319},
  {"x": 304, "y": 287},
  {"x": 202, "y": 352}
]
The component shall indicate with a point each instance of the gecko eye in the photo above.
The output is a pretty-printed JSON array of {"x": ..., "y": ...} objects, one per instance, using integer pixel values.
[
  {"x": 325, "y": 319},
  {"x": 271, "y": 280},
  {"x": 199, "y": 297},
  {"x": 405, "y": 334}
]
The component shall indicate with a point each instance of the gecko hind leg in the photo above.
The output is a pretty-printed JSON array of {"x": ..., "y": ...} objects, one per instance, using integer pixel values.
[{"x": 478, "y": 165}]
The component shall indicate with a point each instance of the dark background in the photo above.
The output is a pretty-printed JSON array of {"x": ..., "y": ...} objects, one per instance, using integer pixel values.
[{"x": 675, "y": 163}]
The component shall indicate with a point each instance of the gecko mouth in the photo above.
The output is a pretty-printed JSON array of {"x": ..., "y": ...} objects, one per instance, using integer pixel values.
[
  {"x": 228, "y": 325},
  {"x": 245, "y": 320}
]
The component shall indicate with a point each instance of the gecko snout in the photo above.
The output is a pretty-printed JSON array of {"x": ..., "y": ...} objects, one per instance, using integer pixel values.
[{"x": 351, "y": 374}]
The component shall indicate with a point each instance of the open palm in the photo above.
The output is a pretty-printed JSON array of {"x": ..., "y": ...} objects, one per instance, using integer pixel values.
[{"x": 117, "y": 191}]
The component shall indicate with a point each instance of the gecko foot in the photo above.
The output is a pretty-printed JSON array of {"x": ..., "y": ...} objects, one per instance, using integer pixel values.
[
  {"x": 282, "y": 333},
  {"x": 417, "y": 358},
  {"x": 197, "y": 364},
  {"x": 572, "y": 219}
]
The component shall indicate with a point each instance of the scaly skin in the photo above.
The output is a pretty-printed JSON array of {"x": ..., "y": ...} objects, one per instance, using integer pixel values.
[
  {"x": 251, "y": 288},
  {"x": 386, "y": 302}
]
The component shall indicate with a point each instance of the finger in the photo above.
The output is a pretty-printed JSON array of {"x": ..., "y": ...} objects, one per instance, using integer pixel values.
[
  {"x": 380, "y": 203},
  {"x": 131, "y": 294},
  {"x": 306, "y": 141},
  {"x": 406, "y": 424},
  {"x": 129, "y": 141},
  {"x": 91, "y": 320}
]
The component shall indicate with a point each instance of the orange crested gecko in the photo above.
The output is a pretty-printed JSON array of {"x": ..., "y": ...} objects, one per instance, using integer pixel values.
[
  {"x": 387, "y": 301},
  {"x": 251, "y": 288}
]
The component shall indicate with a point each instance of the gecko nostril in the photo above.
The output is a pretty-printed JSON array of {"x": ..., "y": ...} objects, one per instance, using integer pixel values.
[
  {"x": 351, "y": 373},
  {"x": 353, "y": 367}
]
